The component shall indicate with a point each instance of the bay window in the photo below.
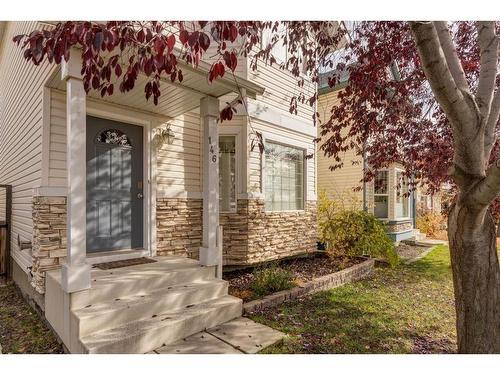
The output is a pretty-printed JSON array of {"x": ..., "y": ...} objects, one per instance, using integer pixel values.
[
  {"x": 402, "y": 198},
  {"x": 227, "y": 173},
  {"x": 284, "y": 177},
  {"x": 381, "y": 195}
]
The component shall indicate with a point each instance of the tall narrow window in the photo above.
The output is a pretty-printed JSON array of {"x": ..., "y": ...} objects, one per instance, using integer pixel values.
[
  {"x": 284, "y": 178},
  {"x": 402, "y": 199},
  {"x": 227, "y": 173},
  {"x": 381, "y": 195}
]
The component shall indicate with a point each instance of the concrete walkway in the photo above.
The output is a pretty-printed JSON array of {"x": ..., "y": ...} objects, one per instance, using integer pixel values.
[{"x": 239, "y": 336}]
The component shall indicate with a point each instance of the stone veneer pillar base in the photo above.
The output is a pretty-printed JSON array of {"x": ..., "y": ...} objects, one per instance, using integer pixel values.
[
  {"x": 49, "y": 237},
  {"x": 178, "y": 226}
]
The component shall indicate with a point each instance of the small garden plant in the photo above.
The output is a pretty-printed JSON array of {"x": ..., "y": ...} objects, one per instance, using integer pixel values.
[
  {"x": 352, "y": 232},
  {"x": 271, "y": 279}
]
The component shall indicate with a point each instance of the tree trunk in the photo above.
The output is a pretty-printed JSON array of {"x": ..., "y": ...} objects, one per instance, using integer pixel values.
[{"x": 476, "y": 278}]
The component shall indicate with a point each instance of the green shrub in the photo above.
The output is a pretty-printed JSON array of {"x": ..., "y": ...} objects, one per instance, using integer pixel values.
[
  {"x": 430, "y": 223},
  {"x": 271, "y": 279},
  {"x": 349, "y": 232}
]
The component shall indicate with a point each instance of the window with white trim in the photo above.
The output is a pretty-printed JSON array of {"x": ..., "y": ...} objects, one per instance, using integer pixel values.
[
  {"x": 284, "y": 177},
  {"x": 381, "y": 195},
  {"x": 227, "y": 173},
  {"x": 402, "y": 198}
]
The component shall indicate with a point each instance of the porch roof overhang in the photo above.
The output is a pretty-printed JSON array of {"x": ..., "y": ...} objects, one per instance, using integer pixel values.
[{"x": 176, "y": 97}]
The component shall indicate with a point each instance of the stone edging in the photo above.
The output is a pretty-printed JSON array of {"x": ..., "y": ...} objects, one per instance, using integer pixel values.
[{"x": 333, "y": 280}]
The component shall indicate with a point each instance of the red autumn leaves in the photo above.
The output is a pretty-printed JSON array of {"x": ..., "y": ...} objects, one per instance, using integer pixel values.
[{"x": 147, "y": 48}]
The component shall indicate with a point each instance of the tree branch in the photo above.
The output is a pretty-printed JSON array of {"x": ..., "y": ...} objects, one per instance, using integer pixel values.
[
  {"x": 488, "y": 44},
  {"x": 485, "y": 191},
  {"x": 450, "y": 53},
  {"x": 449, "y": 96},
  {"x": 489, "y": 131}
]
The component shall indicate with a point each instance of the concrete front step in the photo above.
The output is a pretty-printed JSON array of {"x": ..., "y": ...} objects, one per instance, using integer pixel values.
[
  {"x": 425, "y": 242},
  {"x": 105, "y": 315},
  {"x": 144, "y": 335},
  {"x": 117, "y": 283}
]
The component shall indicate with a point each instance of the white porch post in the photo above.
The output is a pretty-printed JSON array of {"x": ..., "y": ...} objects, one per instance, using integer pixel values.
[
  {"x": 76, "y": 271},
  {"x": 209, "y": 112}
]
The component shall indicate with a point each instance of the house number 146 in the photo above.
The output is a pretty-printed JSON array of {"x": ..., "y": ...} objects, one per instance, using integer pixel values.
[{"x": 212, "y": 151}]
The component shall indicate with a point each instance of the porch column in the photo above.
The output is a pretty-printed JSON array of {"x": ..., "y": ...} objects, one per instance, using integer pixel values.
[
  {"x": 209, "y": 112},
  {"x": 76, "y": 271}
]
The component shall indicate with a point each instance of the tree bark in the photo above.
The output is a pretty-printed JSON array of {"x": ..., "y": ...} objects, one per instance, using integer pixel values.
[{"x": 476, "y": 278}]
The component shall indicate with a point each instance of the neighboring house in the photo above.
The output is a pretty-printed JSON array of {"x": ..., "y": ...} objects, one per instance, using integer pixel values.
[
  {"x": 386, "y": 197},
  {"x": 427, "y": 201},
  {"x": 97, "y": 180}
]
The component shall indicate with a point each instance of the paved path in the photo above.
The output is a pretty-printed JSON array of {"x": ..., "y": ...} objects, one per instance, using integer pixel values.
[{"x": 239, "y": 336}]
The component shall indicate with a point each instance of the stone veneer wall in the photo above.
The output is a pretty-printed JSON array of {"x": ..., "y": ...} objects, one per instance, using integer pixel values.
[
  {"x": 179, "y": 226},
  {"x": 49, "y": 237},
  {"x": 394, "y": 227},
  {"x": 235, "y": 234},
  {"x": 275, "y": 235},
  {"x": 251, "y": 235}
]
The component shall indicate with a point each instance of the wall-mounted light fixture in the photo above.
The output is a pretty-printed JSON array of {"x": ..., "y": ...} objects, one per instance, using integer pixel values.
[{"x": 164, "y": 135}]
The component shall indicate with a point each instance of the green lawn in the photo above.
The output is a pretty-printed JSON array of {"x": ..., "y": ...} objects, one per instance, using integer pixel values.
[{"x": 408, "y": 309}]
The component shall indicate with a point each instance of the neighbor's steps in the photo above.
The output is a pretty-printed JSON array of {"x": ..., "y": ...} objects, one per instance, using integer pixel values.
[
  {"x": 141, "y": 336},
  {"x": 135, "y": 309}
]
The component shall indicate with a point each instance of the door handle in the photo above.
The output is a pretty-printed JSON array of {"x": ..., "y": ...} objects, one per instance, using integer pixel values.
[{"x": 140, "y": 196}]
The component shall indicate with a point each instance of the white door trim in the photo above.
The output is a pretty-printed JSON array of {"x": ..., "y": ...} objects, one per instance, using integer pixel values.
[{"x": 105, "y": 111}]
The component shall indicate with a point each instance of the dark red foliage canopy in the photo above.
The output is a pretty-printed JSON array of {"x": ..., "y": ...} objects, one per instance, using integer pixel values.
[{"x": 386, "y": 111}]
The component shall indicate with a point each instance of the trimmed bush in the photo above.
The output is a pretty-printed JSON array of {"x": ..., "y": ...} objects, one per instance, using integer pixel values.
[
  {"x": 349, "y": 232},
  {"x": 271, "y": 279}
]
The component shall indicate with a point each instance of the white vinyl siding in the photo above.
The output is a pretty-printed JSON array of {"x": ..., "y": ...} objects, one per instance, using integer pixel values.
[
  {"x": 339, "y": 184},
  {"x": 179, "y": 164},
  {"x": 21, "y": 113},
  {"x": 57, "y": 143}
]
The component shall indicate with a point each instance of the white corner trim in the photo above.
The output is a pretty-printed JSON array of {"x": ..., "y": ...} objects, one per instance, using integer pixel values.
[
  {"x": 278, "y": 119},
  {"x": 50, "y": 191}
]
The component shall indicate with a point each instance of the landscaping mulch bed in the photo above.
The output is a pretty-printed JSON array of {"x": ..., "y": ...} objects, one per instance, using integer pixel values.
[
  {"x": 304, "y": 269},
  {"x": 408, "y": 252},
  {"x": 21, "y": 328}
]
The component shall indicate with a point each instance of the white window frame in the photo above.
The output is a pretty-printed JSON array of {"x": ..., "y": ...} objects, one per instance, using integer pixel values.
[
  {"x": 396, "y": 170},
  {"x": 382, "y": 195},
  {"x": 234, "y": 131},
  {"x": 287, "y": 143}
]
